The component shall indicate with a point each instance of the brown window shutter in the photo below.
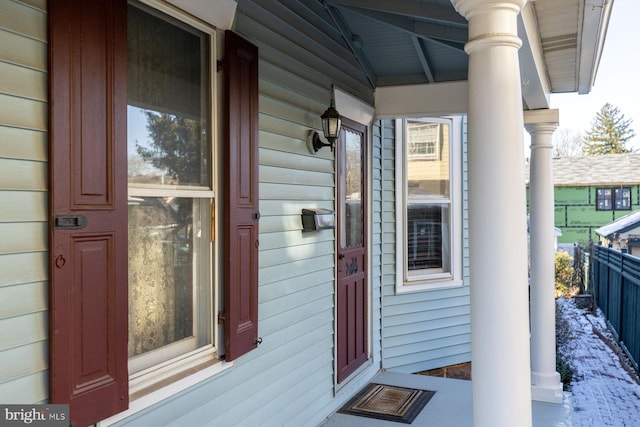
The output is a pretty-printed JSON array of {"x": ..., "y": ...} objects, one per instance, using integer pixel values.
[
  {"x": 88, "y": 207},
  {"x": 241, "y": 196}
]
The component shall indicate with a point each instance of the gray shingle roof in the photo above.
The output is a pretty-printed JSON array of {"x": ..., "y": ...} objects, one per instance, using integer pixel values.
[
  {"x": 620, "y": 225},
  {"x": 607, "y": 169}
]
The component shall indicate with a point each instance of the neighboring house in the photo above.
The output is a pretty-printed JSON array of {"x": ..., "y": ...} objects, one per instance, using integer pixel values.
[
  {"x": 591, "y": 191},
  {"x": 622, "y": 234},
  {"x": 153, "y": 171}
]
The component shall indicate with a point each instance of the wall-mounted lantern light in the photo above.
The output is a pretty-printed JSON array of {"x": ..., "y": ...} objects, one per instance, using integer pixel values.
[{"x": 331, "y": 123}]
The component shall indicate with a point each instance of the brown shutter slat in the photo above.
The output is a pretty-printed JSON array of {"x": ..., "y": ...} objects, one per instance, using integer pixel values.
[
  {"x": 88, "y": 179},
  {"x": 241, "y": 196}
]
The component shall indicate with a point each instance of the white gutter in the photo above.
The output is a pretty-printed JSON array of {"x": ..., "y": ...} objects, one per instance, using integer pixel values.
[{"x": 595, "y": 20}]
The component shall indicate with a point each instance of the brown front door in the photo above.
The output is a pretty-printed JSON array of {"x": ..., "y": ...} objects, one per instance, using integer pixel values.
[{"x": 352, "y": 313}]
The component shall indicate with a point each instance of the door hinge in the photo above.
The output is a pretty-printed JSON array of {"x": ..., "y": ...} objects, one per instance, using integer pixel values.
[
  {"x": 221, "y": 318},
  {"x": 213, "y": 221}
]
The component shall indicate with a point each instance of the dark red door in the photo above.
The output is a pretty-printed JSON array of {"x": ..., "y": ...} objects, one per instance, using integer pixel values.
[{"x": 352, "y": 313}]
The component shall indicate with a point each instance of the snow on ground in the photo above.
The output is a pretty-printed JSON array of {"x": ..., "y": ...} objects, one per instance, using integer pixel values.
[{"x": 604, "y": 393}]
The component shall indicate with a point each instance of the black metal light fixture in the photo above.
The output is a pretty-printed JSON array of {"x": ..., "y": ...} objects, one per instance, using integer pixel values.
[{"x": 331, "y": 123}]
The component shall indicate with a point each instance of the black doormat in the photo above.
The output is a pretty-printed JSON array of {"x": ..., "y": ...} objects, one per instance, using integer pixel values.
[{"x": 390, "y": 403}]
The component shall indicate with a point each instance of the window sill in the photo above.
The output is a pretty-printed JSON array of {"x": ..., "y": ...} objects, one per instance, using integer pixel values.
[
  {"x": 169, "y": 386},
  {"x": 425, "y": 285}
]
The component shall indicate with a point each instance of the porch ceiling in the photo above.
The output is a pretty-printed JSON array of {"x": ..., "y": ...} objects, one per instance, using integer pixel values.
[{"x": 400, "y": 42}]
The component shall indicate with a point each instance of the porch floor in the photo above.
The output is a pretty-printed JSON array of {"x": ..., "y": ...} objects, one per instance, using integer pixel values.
[{"x": 451, "y": 406}]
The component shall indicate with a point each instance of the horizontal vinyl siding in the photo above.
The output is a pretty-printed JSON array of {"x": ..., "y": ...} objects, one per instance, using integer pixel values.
[
  {"x": 289, "y": 379},
  {"x": 375, "y": 225},
  {"x": 465, "y": 205},
  {"x": 427, "y": 329},
  {"x": 23, "y": 197}
]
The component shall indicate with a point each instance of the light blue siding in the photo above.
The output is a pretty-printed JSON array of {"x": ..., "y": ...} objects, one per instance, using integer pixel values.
[
  {"x": 289, "y": 379},
  {"x": 428, "y": 329},
  {"x": 24, "y": 299}
]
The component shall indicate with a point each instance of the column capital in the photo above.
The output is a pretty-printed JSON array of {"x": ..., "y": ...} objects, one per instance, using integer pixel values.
[
  {"x": 492, "y": 23},
  {"x": 541, "y": 121},
  {"x": 469, "y": 8}
]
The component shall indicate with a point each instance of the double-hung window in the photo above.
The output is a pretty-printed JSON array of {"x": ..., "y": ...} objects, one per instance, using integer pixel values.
[
  {"x": 170, "y": 189},
  {"x": 622, "y": 198},
  {"x": 428, "y": 203},
  {"x": 128, "y": 324},
  {"x": 603, "y": 199}
]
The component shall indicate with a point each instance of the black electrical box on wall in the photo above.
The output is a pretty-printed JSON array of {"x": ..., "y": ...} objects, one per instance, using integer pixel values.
[{"x": 317, "y": 219}]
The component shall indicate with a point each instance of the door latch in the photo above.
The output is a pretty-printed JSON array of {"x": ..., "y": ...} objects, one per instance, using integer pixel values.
[{"x": 69, "y": 222}]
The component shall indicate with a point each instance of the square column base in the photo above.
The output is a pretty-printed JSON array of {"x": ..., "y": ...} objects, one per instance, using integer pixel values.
[{"x": 546, "y": 387}]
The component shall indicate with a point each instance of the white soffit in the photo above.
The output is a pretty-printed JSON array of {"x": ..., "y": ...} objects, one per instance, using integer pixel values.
[
  {"x": 430, "y": 99},
  {"x": 219, "y": 13}
]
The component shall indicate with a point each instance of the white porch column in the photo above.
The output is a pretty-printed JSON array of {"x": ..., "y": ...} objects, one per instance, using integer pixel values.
[
  {"x": 546, "y": 385},
  {"x": 497, "y": 216}
]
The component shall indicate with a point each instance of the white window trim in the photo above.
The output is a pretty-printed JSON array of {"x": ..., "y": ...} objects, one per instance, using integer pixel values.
[{"x": 436, "y": 280}]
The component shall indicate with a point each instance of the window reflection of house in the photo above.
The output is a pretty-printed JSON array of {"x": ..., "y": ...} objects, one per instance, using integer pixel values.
[{"x": 424, "y": 141}]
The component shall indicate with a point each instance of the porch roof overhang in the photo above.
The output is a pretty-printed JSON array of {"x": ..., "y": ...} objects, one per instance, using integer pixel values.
[{"x": 403, "y": 45}]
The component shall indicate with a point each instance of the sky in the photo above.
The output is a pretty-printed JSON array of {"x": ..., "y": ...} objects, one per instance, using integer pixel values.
[{"x": 616, "y": 78}]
